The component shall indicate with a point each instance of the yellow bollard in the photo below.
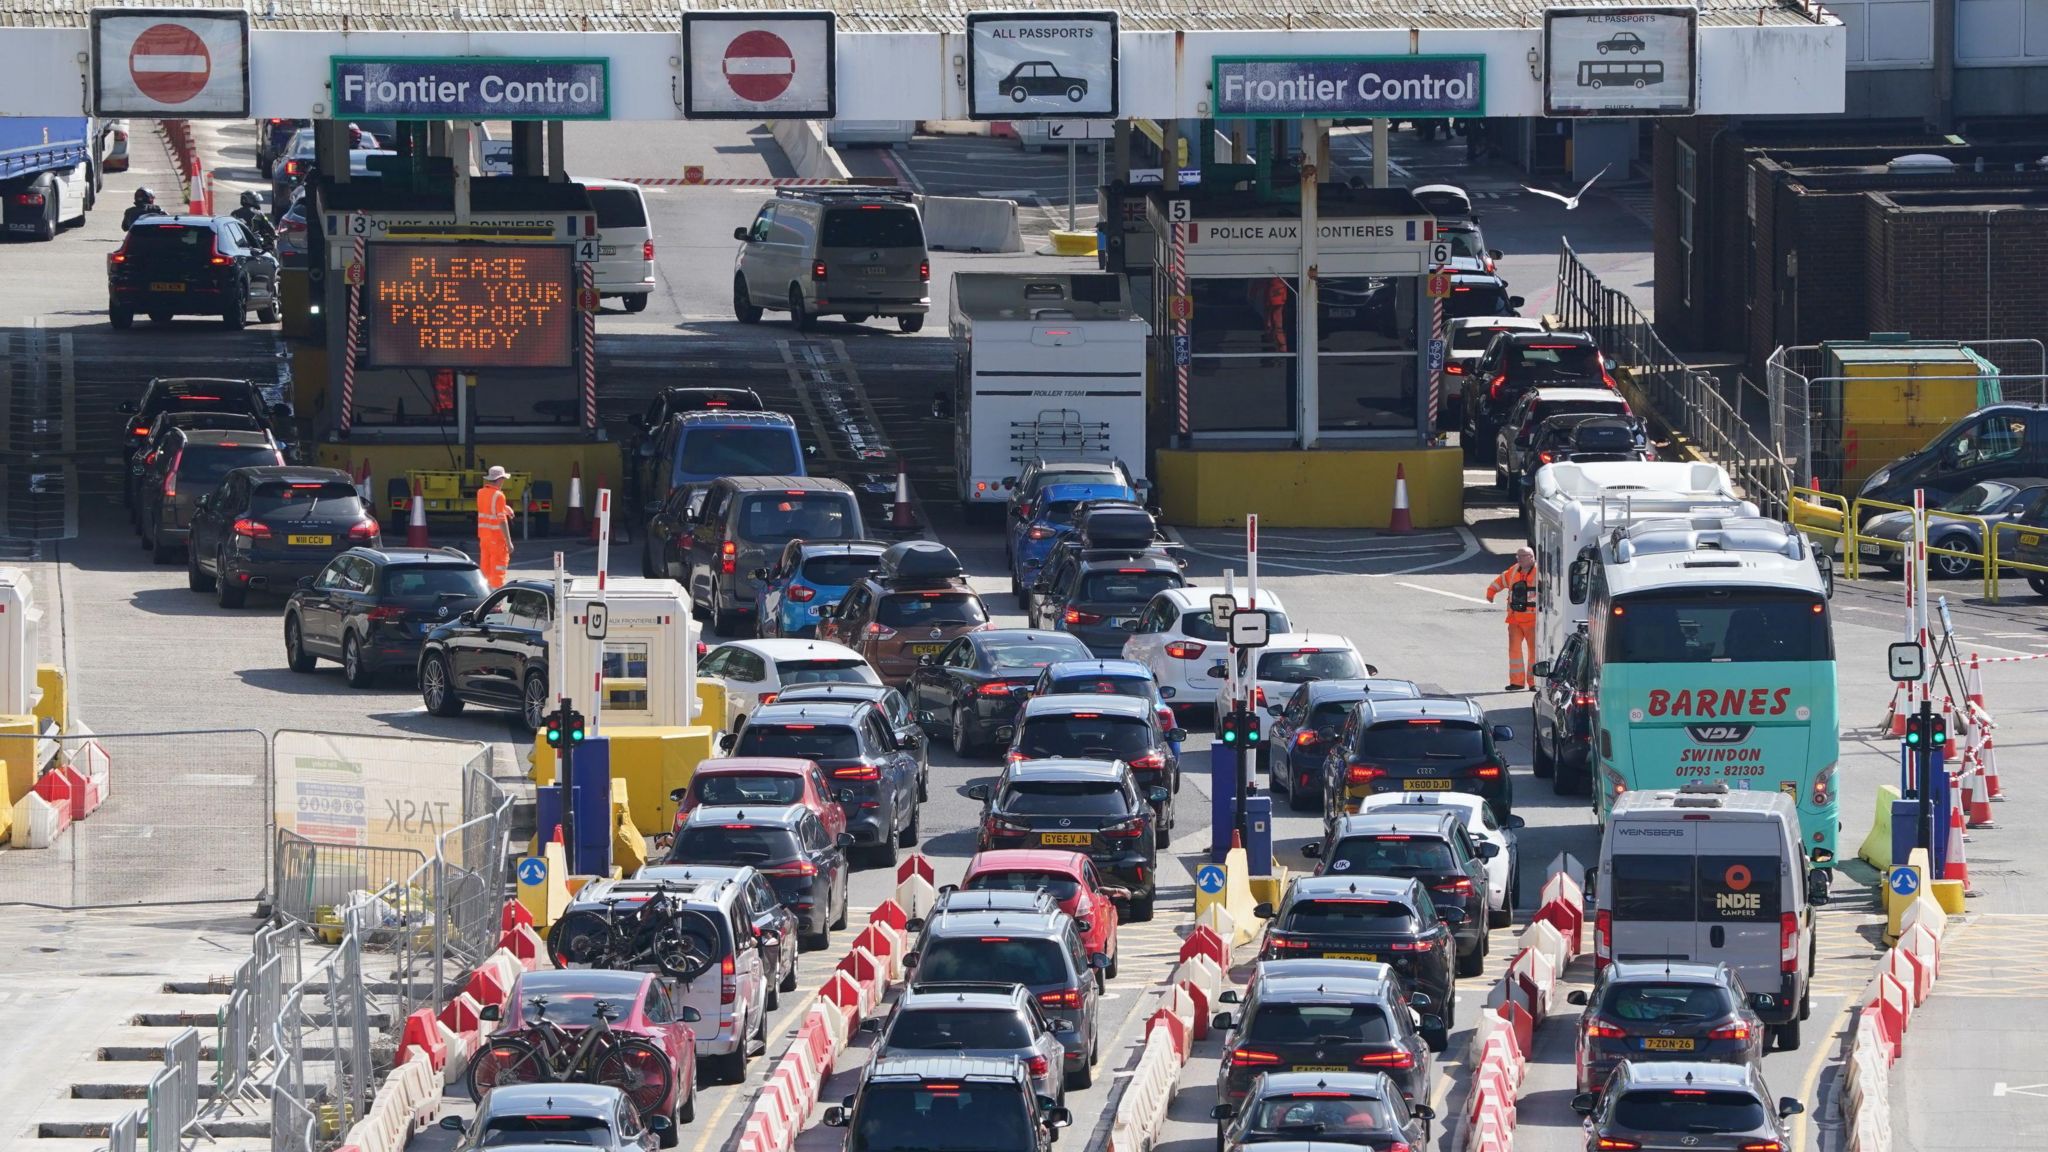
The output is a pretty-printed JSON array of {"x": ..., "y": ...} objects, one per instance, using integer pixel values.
[
  {"x": 55, "y": 706},
  {"x": 1948, "y": 894},
  {"x": 629, "y": 848},
  {"x": 1877, "y": 847}
]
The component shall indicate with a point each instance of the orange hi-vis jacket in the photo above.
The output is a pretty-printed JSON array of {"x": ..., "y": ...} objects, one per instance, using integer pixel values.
[{"x": 1520, "y": 586}]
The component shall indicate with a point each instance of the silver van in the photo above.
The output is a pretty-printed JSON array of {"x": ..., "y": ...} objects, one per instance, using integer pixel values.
[
  {"x": 1710, "y": 874},
  {"x": 848, "y": 251}
]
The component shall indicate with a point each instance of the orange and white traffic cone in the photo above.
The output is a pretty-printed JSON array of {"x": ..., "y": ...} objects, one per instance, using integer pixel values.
[
  {"x": 1976, "y": 798},
  {"x": 1902, "y": 703},
  {"x": 574, "y": 522},
  {"x": 416, "y": 531},
  {"x": 603, "y": 482},
  {"x": 1958, "y": 867},
  {"x": 1990, "y": 758},
  {"x": 901, "y": 518},
  {"x": 1400, "y": 523}
]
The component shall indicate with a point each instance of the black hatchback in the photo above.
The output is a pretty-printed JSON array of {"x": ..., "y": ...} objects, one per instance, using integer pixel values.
[
  {"x": 191, "y": 265},
  {"x": 371, "y": 608},
  {"x": 1323, "y": 1016},
  {"x": 265, "y": 528},
  {"x": 1387, "y": 919},
  {"x": 1663, "y": 1010},
  {"x": 1426, "y": 844},
  {"x": 1087, "y": 806},
  {"x": 1429, "y": 744},
  {"x": 804, "y": 863},
  {"x": 189, "y": 394}
]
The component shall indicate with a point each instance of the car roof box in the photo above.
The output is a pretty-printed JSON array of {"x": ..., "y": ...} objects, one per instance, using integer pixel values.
[
  {"x": 920, "y": 562},
  {"x": 1117, "y": 527}
]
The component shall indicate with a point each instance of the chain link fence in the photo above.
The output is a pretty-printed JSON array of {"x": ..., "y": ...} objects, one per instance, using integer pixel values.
[{"x": 1688, "y": 402}]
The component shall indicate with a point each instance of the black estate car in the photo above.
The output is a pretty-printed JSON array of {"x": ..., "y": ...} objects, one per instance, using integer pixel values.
[
  {"x": 266, "y": 527},
  {"x": 371, "y": 608}
]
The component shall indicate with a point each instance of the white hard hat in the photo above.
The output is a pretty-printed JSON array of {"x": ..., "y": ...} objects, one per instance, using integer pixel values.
[{"x": 496, "y": 474}]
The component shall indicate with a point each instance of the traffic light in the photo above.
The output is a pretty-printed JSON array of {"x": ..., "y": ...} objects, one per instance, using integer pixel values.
[
  {"x": 564, "y": 725},
  {"x": 1238, "y": 727},
  {"x": 1930, "y": 731},
  {"x": 1250, "y": 723}
]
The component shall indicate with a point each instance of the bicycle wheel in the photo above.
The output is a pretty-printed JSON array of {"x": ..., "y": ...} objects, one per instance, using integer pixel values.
[
  {"x": 683, "y": 955},
  {"x": 505, "y": 1060},
  {"x": 578, "y": 938},
  {"x": 640, "y": 1070}
]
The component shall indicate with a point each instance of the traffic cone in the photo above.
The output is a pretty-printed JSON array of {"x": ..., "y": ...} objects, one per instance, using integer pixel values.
[
  {"x": 1990, "y": 757},
  {"x": 1902, "y": 703},
  {"x": 574, "y": 522},
  {"x": 1400, "y": 523},
  {"x": 1958, "y": 867},
  {"x": 416, "y": 531},
  {"x": 1976, "y": 799},
  {"x": 603, "y": 482},
  {"x": 900, "y": 517}
]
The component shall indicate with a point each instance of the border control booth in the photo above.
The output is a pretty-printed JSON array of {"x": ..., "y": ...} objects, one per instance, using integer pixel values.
[{"x": 1299, "y": 411}]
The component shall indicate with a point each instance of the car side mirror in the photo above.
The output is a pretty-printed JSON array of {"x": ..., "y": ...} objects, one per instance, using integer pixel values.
[
  {"x": 1514, "y": 301},
  {"x": 689, "y": 1015},
  {"x": 772, "y": 939},
  {"x": 1098, "y": 960},
  {"x": 741, "y": 233},
  {"x": 1583, "y": 1103},
  {"x": 835, "y": 1116},
  {"x": 1493, "y": 253},
  {"x": 1176, "y": 735},
  {"x": 1275, "y": 710},
  {"x": 1084, "y": 924},
  {"x": 844, "y": 796},
  {"x": 1580, "y": 579},
  {"x": 1503, "y": 732},
  {"x": 1040, "y": 586},
  {"x": 760, "y": 574},
  {"x": 725, "y": 741},
  {"x": 1514, "y": 823},
  {"x": 844, "y": 840},
  {"x": 1422, "y": 1112},
  {"x": 1129, "y": 626},
  {"x": 677, "y": 794},
  {"x": 914, "y": 924},
  {"x": 1541, "y": 669},
  {"x": 660, "y": 1125},
  {"x": 1157, "y": 795},
  {"x": 825, "y": 611},
  {"x": 978, "y": 792},
  {"x": 1420, "y": 1001},
  {"x": 1222, "y": 1112},
  {"x": 305, "y": 582},
  {"x": 871, "y": 1024},
  {"x": 1817, "y": 887},
  {"x": 1763, "y": 1001},
  {"x": 1455, "y": 917},
  {"x": 1312, "y": 850},
  {"x": 928, "y": 659},
  {"x": 1486, "y": 849},
  {"x": 452, "y": 1123},
  {"x": 1117, "y": 893},
  {"x": 490, "y": 1014},
  {"x": 1327, "y": 733},
  {"x": 1229, "y": 996},
  {"x": 1787, "y": 1106},
  {"x": 910, "y": 958},
  {"x": 1576, "y": 996},
  {"x": 1058, "y": 1116},
  {"x": 1263, "y": 910},
  {"x": 1216, "y": 672}
]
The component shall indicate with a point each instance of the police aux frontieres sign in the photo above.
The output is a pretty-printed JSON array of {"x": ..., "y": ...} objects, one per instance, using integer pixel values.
[{"x": 1346, "y": 86}]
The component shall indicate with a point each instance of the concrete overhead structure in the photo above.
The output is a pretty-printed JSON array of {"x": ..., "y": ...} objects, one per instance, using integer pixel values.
[{"x": 904, "y": 60}]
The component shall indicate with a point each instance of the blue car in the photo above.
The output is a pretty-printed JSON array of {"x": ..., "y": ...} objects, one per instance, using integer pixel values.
[
  {"x": 809, "y": 575},
  {"x": 1032, "y": 536},
  {"x": 1108, "y": 678}
]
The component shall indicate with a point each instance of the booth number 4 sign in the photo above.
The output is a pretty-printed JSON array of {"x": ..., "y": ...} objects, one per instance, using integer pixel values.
[{"x": 587, "y": 250}]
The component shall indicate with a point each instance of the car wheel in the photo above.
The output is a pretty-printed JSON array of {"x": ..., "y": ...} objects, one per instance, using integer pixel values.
[
  {"x": 802, "y": 320},
  {"x": 1786, "y": 1036},
  {"x": 437, "y": 691},
  {"x": 1080, "y": 1077},
  {"x": 722, "y": 622},
  {"x": 1141, "y": 909},
  {"x": 647, "y": 565},
  {"x": 236, "y": 314},
  {"x": 788, "y": 983},
  {"x": 743, "y": 309},
  {"x": 160, "y": 552},
  {"x": 845, "y": 907},
  {"x": 535, "y": 709},
  {"x": 353, "y": 668},
  {"x": 908, "y": 837},
  {"x": 2038, "y": 583},
  {"x": 195, "y": 577},
  {"x": 1504, "y": 915},
  {"x": 636, "y": 301},
  {"x": 1301, "y": 799},
  {"x": 730, "y": 1068},
  {"x": 269, "y": 313},
  {"x": 909, "y": 324},
  {"x": 686, "y": 1113},
  {"x": 296, "y": 657},
  {"x": 1564, "y": 779},
  {"x": 1542, "y": 764},
  {"x": 1471, "y": 961},
  {"x": 963, "y": 742},
  {"x": 52, "y": 212},
  {"x": 884, "y": 853},
  {"x": 1076, "y": 93},
  {"x": 1952, "y": 567},
  {"x": 855, "y": 317},
  {"x": 1019, "y": 94},
  {"x": 230, "y": 593},
  {"x": 121, "y": 317}
]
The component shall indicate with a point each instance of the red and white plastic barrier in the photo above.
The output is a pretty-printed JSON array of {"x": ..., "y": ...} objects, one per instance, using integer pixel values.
[
  {"x": 1904, "y": 979},
  {"x": 1522, "y": 999}
]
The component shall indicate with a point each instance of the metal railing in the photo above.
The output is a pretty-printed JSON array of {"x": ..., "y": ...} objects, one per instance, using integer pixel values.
[
  {"x": 318, "y": 1092},
  {"x": 314, "y": 879},
  {"x": 2030, "y": 536},
  {"x": 1687, "y": 401}
]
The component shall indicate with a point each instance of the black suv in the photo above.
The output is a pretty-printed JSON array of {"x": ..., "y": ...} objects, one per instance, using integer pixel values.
[
  {"x": 1664, "y": 1010},
  {"x": 493, "y": 656},
  {"x": 190, "y": 394},
  {"x": 790, "y": 846},
  {"x": 191, "y": 265},
  {"x": 1430, "y": 845},
  {"x": 1563, "y": 717},
  {"x": 858, "y": 749},
  {"x": 1516, "y": 362},
  {"x": 1086, "y": 806},
  {"x": 1124, "y": 728},
  {"x": 894, "y": 708},
  {"x": 1098, "y": 593},
  {"x": 143, "y": 454},
  {"x": 1324, "y": 1016},
  {"x": 1017, "y": 938},
  {"x": 1429, "y": 744},
  {"x": 371, "y": 608},
  {"x": 1479, "y": 294},
  {"x": 973, "y": 687},
  {"x": 980, "y": 1105},
  {"x": 190, "y": 463},
  {"x": 267, "y": 527},
  {"x": 1306, "y": 726},
  {"x": 1387, "y": 919}
]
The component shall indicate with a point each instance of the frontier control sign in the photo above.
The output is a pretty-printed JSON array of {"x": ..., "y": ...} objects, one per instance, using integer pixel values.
[
  {"x": 470, "y": 306},
  {"x": 471, "y": 88},
  {"x": 1330, "y": 87}
]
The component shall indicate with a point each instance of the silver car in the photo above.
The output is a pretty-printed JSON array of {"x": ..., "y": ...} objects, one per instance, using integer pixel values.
[
  {"x": 1991, "y": 501},
  {"x": 1000, "y": 1021},
  {"x": 851, "y": 252}
]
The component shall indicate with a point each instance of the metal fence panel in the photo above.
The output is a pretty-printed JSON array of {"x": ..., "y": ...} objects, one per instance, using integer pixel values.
[
  {"x": 313, "y": 880},
  {"x": 186, "y": 820}
]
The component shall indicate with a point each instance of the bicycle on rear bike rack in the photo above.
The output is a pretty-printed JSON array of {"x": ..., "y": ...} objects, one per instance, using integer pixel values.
[
  {"x": 544, "y": 1052},
  {"x": 642, "y": 936}
]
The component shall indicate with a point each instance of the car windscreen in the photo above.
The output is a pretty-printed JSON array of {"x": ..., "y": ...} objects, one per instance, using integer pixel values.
[
  {"x": 1022, "y": 656},
  {"x": 209, "y": 419},
  {"x": 1099, "y": 684},
  {"x": 1554, "y": 359},
  {"x": 1059, "y": 512},
  {"x": 958, "y": 1116},
  {"x": 1548, "y": 408},
  {"x": 1328, "y": 1115},
  {"x": 1330, "y": 714},
  {"x": 214, "y": 398},
  {"x": 552, "y": 1128},
  {"x": 1096, "y": 737},
  {"x": 1648, "y": 1002},
  {"x": 1118, "y": 586},
  {"x": 331, "y": 500},
  {"x": 1052, "y": 476},
  {"x": 1342, "y": 916},
  {"x": 1028, "y": 960},
  {"x": 1598, "y": 435},
  {"x": 1392, "y": 855},
  {"x": 846, "y": 671},
  {"x": 802, "y": 741},
  {"x": 1696, "y": 1110},
  {"x": 618, "y": 208},
  {"x": 738, "y": 451},
  {"x": 1305, "y": 664},
  {"x": 733, "y": 844},
  {"x": 724, "y": 789},
  {"x": 578, "y": 1009},
  {"x": 838, "y": 571},
  {"x": 205, "y": 464},
  {"x": 1718, "y": 626},
  {"x": 1064, "y": 798},
  {"x": 1490, "y": 300},
  {"x": 959, "y": 1028},
  {"x": 872, "y": 226},
  {"x": 1199, "y": 626},
  {"x": 1474, "y": 339},
  {"x": 1979, "y": 498},
  {"x": 1278, "y": 1023},
  {"x": 1431, "y": 740},
  {"x": 431, "y": 581},
  {"x": 779, "y": 517},
  {"x": 929, "y": 609},
  {"x": 1063, "y": 888}
]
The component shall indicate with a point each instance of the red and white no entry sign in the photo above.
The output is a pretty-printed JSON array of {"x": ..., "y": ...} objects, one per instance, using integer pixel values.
[
  {"x": 759, "y": 65},
  {"x": 170, "y": 63}
]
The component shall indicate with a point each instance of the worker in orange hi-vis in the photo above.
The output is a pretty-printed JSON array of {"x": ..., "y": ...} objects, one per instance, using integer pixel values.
[
  {"x": 493, "y": 527},
  {"x": 1276, "y": 313},
  {"x": 1519, "y": 582}
]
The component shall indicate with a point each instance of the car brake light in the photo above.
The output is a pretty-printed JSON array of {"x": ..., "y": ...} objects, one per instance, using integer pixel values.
[
  {"x": 1545, "y": 457},
  {"x": 294, "y": 167},
  {"x": 877, "y": 632},
  {"x": 171, "y": 474},
  {"x": 1461, "y": 884},
  {"x": 1037, "y": 1066},
  {"x": 818, "y": 270},
  {"x": 363, "y": 530},
  {"x": 1186, "y": 650},
  {"x": 1149, "y": 762},
  {"x": 1304, "y": 739},
  {"x": 218, "y": 259},
  {"x": 1610, "y": 1144},
  {"x": 857, "y": 772},
  {"x": 1603, "y": 939},
  {"x": 728, "y": 553},
  {"x": 1788, "y": 942},
  {"x": 141, "y": 430},
  {"x": 1076, "y": 616},
  {"x": 1494, "y": 386},
  {"x": 1387, "y": 1060},
  {"x": 1250, "y": 1056},
  {"x": 995, "y": 688},
  {"x": 999, "y": 826},
  {"x": 1762, "y": 1146},
  {"x": 1606, "y": 379},
  {"x": 1398, "y": 1146},
  {"x": 647, "y": 249},
  {"x": 253, "y": 529},
  {"x": 802, "y": 594},
  {"x": 1731, "y": 1032},
  {"x": 1279, "y": 941},
  {"x": 1363, "y": 773},
  {"x": 1126, "y": 829},
  {"x": 924, "y": 270},
  {"x": 385, "y": 612},
  {"x": 1584, "y": 699},
  {"x": 768, "y": 697},
  {"x": 1454, "y": 369},
  {"x": 728, "y": 980},
  {"x": 1487, "y": 772},
  {"x": 800, "y": 868},
  {"x": 1041, "y": 532},
  {"x": 1064, "y": 998},
  {"x": 1024, "y": 509},
  {"x": 1601, "y": 1030}
]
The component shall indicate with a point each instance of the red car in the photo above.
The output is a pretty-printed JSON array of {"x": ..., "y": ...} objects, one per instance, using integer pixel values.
[
  {"x": 646, "y": 1005},
  {"x": 763, "y": 781},
  {"x": 1072, "y": 880}
]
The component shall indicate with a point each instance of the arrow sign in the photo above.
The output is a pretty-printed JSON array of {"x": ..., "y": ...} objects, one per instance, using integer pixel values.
[
  {"x": 1209, "y": 878},
  {"x": 1904, "y": 881},
  {"x": 1080, "y": 129},
  {"x": 533, "y": 870}
]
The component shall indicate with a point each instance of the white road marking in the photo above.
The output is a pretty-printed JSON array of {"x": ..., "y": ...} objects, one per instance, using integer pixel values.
[{"x": 1443, "y": 592}]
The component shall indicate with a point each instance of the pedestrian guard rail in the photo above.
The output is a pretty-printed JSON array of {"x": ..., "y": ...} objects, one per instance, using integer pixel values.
[
  {"x": 1831, "y": 516},
  {"x": 1862, "y": 548},
  {"x": 1996, "y": 562}
]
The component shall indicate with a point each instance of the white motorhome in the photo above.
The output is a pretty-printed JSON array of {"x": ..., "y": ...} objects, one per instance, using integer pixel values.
[
  {"x": 1051, "y": 365},
  {"x": 1577, "y": 504}
]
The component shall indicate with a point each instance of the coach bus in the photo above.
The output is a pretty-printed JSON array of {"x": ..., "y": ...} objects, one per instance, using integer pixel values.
[
  {"x": 1620, "y": 73},
  {"x": 1715, "y": 662}
]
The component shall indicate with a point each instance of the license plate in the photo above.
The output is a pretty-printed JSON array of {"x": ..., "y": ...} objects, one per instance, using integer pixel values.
[
  {"x": 1372, "y": 956},
  {"x": 603, "y": 251},
  {"x": 925, "y": 649},
  {"x": 308, "y": 540},
  {"x": 165, "y": 286},
  {"x": 1426, "y": 785},
  {"x": 876, "y": 270},
  {"x": 1869, "y": 549},
  {"x": 1119, "y": 621},
  {"x": 1320, "y": 1068},
  {"x": 1669, "y": 1044},
  {"x": 1343, "y": 313},
  {"x": 1066, "y": 839}
]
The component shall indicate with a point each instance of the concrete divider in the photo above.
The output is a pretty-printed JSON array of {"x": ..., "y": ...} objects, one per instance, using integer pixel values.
[
  {"x": 1876, "y": 850},
  {"x": 804, "y": 143},
  {"x": 971, "y": 224}
]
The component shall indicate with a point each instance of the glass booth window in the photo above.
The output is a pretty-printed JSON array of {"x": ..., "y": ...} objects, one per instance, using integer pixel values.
[
  {"x": 1367, "y": 393},
  {"x": 624, "y": 676},
  {"x": 1241, "y": 394},
  {"x": 1241, "y": 372},
  {"x": 1368, "y": 314}
]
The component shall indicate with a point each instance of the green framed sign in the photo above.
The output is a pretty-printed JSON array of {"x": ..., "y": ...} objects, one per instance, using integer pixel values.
[
  {"x": 471, "y": 88},
  {"x": 1347, "y": 87}
]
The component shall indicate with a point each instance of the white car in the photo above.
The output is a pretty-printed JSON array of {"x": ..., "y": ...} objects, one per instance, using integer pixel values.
[
  {"x": 755, "y": 671},
  {"x": 1292, "y": 659},
  {"x": 1464, "y": 342},
  {"x": 625, "y": 251},
  {"x": 1176, "y": 639},
  {"x": 1503, "y": 872}
]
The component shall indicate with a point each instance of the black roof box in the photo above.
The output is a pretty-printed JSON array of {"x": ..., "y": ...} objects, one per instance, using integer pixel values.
[
  {"x": 1117, "y": 526},
  {"x": 920, "y": 562}
]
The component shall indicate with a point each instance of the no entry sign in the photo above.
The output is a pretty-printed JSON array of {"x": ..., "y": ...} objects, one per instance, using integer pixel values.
[
  {"x": 180, "y": 62},
  {"x": 741, "y": 65}
]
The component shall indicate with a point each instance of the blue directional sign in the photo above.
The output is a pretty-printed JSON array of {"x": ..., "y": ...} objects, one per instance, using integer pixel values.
[
  {"x": 1181, "y": 349},
  {"x": 1436, "y": 356},
  {"x": 533, "y": 870},
  {"x": 1904, "y": 881},
  {"x": 1209, "y": 878}
]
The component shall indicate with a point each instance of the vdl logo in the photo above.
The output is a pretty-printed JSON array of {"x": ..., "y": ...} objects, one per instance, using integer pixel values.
[{"x": 1719, "y": 733}]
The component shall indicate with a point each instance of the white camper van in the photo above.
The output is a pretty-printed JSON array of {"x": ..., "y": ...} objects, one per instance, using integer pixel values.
[{"x": 1577, "y": 504}]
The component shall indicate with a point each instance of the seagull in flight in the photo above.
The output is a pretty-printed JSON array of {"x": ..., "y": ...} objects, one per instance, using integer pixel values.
[{"x": 1572, "y": 201}]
